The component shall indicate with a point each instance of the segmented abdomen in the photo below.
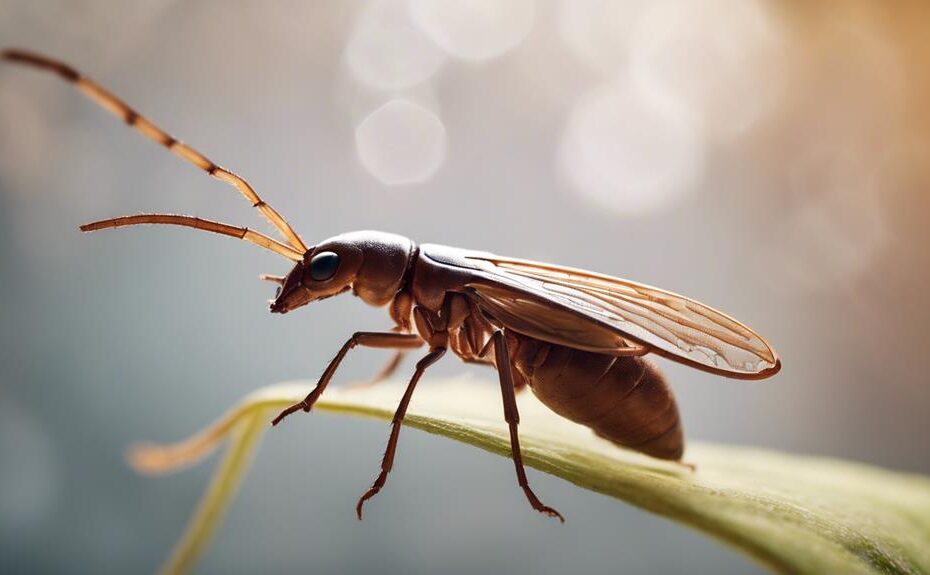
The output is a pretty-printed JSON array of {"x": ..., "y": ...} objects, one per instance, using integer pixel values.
[{"x": 623, "y": 399}]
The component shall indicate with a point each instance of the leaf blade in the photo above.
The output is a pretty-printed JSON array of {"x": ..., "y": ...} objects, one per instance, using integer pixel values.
[{"x": 795, "y": 514}]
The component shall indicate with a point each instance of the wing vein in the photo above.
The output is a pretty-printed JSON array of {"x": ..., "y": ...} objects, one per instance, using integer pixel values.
[{"x": 665, "y": 322}]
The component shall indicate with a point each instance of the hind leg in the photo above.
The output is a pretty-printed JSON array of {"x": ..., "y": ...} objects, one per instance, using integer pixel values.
[{"x": 512, "y": 416}]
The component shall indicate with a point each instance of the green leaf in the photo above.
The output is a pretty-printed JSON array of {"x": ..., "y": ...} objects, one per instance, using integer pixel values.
[{"x": 795, "y": 514}]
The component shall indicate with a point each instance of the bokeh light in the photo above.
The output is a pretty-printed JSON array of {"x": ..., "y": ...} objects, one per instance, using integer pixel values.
[
  {"x": 833, "y": 234},
  {"x": 598, "y": 31},
  {"x": 387, "y": 51},
  {"x": 723, "y": 60},
  {"x": 629, "y": 154},
  {"x": 401, "y": 143},
  {"x": 476, "y": 30}
]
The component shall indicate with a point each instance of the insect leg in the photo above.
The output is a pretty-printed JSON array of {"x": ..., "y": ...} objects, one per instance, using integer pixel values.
[
  {"x": 382, "y": 340},
  {"x": 388, "y": 461},
  {"x": 389, "y": 369},
  {"x": 512, "y": 416},
  {"x": 386, "y": 371}
]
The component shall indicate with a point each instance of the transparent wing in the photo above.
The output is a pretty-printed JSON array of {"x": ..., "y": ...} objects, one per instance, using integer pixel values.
[{"x": 672, "y": 325}]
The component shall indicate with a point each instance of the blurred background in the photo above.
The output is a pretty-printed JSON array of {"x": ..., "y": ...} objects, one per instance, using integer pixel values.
[{"x": 771, "y": 159}]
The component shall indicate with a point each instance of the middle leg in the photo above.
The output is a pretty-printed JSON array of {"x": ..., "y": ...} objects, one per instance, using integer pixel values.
[
  {"x": 388, "y": 370},
  {"x": 388, "y": 461}
]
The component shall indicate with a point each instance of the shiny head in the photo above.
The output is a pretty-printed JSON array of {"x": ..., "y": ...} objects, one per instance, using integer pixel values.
[{"x": 372, "y": 264}]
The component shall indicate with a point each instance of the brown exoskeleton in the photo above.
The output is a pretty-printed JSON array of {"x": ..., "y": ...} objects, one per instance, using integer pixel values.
[{"x": 576, "y": 338}]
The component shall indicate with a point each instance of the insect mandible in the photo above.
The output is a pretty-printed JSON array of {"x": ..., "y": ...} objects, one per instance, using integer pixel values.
[{"x": 575, "y": 338}]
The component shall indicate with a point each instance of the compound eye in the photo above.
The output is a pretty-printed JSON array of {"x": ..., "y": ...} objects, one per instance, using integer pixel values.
[{"x": 323, "y": 266}]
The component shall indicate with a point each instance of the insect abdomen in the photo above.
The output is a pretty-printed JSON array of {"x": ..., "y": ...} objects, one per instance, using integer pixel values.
[{"x": 623, "y": 399}]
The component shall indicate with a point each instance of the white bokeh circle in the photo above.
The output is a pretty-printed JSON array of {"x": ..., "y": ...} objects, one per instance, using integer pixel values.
[
  {"x": 477, "y": 29},
  {"x": 723, "y": 60},
  {"x": 401, "y": 143},
  {"x": 831, "y": 238},
  {"x": 598, "y": 31},
  {"x": 628, "y": 154},
  {"x": 387, "y": 51}
]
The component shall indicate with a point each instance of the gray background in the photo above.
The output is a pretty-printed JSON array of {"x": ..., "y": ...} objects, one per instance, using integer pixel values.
[{"x": 810, "y": 226}]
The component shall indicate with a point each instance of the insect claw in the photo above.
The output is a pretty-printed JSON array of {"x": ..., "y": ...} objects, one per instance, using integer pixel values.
[
  {"x": 286, "y": 412},
  {"x": 303, "y": 404},
  {"x": 552, "y": 513},
  {"x": 361, "y": 500}
]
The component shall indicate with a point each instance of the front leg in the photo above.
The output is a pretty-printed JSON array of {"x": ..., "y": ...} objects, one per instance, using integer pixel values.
[{"x": 383, "y": 340}]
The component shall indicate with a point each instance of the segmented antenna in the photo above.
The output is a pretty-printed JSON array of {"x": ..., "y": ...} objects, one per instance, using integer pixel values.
[
  {"x": 150, "y": 130},
  {"x": 200, "y": 224}
]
